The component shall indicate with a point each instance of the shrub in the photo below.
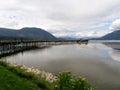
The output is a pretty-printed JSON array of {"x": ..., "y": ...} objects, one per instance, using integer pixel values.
[{"x": 68, "y": 82}]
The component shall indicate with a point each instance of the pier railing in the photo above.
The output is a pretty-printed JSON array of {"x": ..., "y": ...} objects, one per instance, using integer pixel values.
[{"x": 12, "y": 46}]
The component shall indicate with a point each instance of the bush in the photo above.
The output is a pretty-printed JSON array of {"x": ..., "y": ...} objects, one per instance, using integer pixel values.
[{"x": 68, "y": 82}]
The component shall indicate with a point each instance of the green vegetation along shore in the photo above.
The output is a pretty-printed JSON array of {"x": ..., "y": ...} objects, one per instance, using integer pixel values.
[{"x": 18, "y": 77}]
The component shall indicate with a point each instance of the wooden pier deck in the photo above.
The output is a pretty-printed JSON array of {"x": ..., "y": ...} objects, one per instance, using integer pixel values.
[{"x": 12, "y": 46}]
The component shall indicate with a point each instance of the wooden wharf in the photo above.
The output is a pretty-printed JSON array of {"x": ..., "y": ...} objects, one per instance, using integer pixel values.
[{"x": 12, "y": 46}]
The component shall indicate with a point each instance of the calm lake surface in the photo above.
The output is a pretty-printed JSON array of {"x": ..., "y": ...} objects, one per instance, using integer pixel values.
[{"x": 99, "y": 63}]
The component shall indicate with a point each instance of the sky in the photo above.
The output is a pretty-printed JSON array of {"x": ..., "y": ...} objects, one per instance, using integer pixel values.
[{"x": 62, "y": 18}]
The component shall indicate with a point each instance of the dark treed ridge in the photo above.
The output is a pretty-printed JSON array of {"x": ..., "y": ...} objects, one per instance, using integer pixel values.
[
  {"x": 25, "y": 33},
  {"x": 112, "y": 36}
]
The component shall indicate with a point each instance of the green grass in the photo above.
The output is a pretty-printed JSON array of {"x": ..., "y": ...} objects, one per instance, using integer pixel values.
[
  {"x": 11, "y": 81},
  {"x": 14, "y": 78},
  {"x": 22, "y": 79}
]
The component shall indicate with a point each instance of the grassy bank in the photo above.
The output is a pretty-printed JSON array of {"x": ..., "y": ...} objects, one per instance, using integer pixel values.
[
  {"x": 10, "y": 81},
  {"x": 15, "y": 78}
]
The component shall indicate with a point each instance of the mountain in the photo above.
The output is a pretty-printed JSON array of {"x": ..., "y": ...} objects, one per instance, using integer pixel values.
[
  {"x": 26, "y": 34},
  {"x": 112, "y": 36}
]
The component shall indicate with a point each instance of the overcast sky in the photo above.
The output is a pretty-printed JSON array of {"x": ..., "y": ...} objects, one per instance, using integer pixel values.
[{"x": 76, "y": 18}]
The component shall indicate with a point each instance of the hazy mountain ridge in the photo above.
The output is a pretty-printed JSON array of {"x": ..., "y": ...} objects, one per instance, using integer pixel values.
[
  {"x": 25, "y": 33},
  {"x": 112, "y": 36}
]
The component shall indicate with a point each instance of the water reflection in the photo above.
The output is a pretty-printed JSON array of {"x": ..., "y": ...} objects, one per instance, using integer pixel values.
[
  {"x": 115, "y": 50},
  {"x": 115, "y": 54},
  {"x": 94, "y": 61}
]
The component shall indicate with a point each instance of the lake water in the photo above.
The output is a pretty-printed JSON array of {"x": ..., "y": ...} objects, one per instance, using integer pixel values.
[{"x": 99, "y": 63}]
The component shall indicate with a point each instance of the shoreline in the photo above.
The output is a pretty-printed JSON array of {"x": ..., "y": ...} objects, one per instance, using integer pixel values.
[
  {"x": 40, "y": 79},
  {"x": 38, "y": 73}
]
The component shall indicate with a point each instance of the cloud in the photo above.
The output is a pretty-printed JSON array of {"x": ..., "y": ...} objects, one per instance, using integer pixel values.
[
  {"x": 115, "y": 25},
  {"x": 79, "y": 34},
  {"x": 61, "y": 17}
]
